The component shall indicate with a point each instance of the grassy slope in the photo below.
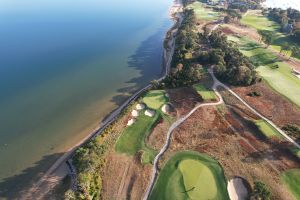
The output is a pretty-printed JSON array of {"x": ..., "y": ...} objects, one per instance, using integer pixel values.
[
  {"x": 286, "y": 83},
  {"x": 262, "y": 23},
  {"x": 203, "y": 13},
  {"x": 177, "y": 176},
  {"x": 292, "y": 179},
  {"x": 206, "y": 94},
  {"x": 267, "y": 129},
  {"x": 132, "y": 139}
]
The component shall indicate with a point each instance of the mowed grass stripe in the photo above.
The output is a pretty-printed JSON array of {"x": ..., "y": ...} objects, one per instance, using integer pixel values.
[
  {"x": 280, "y": 79},
  {"x": 267, "y": 129},
  {"x": 133, "y": 137},
  {"x": 205, "y": 93},
  {"x": 190, "y": 175},
  {"x": 262, "y": 23}
]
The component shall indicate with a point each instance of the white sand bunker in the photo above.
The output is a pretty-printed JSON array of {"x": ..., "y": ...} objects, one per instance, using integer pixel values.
[
  {"x": 130, "y": 122},
  {"x": 135, "y": 113},
  {"x": 150, "y": 113},
  {"x": 140, "y": 106},
  {"x": 237, "y": 189},
  {"x": 166, "y": 108}
]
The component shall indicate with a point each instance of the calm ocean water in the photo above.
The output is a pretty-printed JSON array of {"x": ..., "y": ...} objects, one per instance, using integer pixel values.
[
  {"x": 283, "y": 4},
  {"x": 64, "y": 65}
]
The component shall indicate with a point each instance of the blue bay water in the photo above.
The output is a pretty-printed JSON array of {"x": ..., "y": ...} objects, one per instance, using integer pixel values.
[{"x": 64, "y": 65}]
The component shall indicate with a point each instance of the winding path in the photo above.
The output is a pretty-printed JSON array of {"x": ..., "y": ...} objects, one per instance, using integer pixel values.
[
  {"x": 169, "y": 135},
  {"x": 216, "y": 84}
]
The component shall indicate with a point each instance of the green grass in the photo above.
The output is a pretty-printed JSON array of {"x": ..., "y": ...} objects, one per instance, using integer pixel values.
[
  {"x": 262, "y": 23},
  {"x": 132, "y": 140},
  {"x": 155, "y": 99},
  {"x": 190, "y": 175},
  {"x": 267, "y": 129},
  {"x": 291, "y": 178},
  {"x": 203, "y": 13},
  {"x": 205, "y": 93},
  {"x": 280, "y": 79}
]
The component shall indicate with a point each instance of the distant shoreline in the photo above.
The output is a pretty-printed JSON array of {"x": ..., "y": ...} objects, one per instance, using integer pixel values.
[{"x": 110, "y": 118}]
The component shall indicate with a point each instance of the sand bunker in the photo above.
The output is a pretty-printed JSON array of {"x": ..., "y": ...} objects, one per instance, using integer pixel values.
[
  {"x": 166, "y": 108},
  {"x": 150, "y": 113},
  {"x": 140, "y": 106},
  {"x": 130, "y": 122},
  {"x": 135, "y": 113},
  {"x": 237, "y": 189}
]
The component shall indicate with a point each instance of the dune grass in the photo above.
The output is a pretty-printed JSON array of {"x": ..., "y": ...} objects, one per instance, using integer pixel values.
[
  {"x": 267, "y": 129},
  {"x": 154, "y": 99},
  {"x": 291, "y": 179},
  {"x": 277, "y": 73},
  {"x": 205, "y": 93},
  {"x": 190, "y": 175},
  {"x": 264, "y": 24},
  {"x": 132, "y": 140},
  {"x": 203, "y": 13}
]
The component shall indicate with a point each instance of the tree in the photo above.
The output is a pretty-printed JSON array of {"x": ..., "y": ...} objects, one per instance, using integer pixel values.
[
  {"x": 260, "y": 192},
  {"x": 285, "y": 48},
  {"x": 295, "y": 52},
  {"x": 268, "y": 39}
]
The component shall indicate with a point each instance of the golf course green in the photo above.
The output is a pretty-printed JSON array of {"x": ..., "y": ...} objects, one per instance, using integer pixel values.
[
  {"x": 291, "y": 179},
  {"x": 263, "y": 24},
  {"x": 204, "y": 92},
  {"x": 154, "y": 99},
  {"x": 203, "y": 13},
  {"x": 271, "y": 68},
  {"x": 190, "y": 175},
  {"x": 132, "y": 140}
]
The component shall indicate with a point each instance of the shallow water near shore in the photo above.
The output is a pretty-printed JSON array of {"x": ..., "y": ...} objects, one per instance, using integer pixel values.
[{"x": 65, "y": 65}]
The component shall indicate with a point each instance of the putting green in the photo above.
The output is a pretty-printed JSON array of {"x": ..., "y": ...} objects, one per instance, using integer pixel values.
[
  {"x": 203, "y": 13},
  {"x": 190, "y": 175},
  {"x": 155, "y": 99},
  {"x": 195, "y": 174},
  {"x": 206, "y": 94},
  {"x": 291, "y": 179}
]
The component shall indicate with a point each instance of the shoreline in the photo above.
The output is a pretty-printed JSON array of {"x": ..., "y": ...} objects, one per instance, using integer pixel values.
[{"x": 53, "y": 175}]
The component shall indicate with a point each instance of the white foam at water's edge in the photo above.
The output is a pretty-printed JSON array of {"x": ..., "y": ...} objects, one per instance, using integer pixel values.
[{"x": 295, "y": 4}]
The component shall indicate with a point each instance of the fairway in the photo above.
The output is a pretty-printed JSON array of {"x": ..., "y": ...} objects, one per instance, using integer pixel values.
[
  {"x": 267, "y": 129},
  {"x": 203, "y": 13},
  {"x": 291, "y": 178},
  {"x": 286, "y": 83},
  {"x": 205, "y": 93},
  {"x": 190, "y": 175},
  {"x": 132, "y": 140},
  {"x": 262, "y": 23},
  {"x": 155, "y": 99}
]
